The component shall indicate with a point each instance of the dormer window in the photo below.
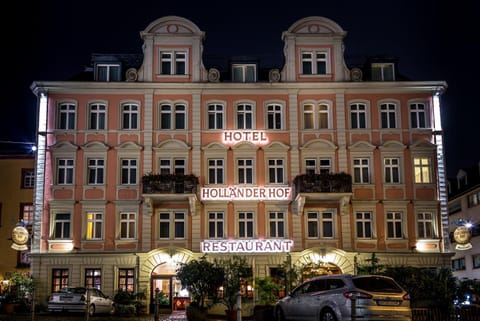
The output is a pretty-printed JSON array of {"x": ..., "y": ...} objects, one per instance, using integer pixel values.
[
  {"x": 383, "y": 72},
  {"x": 244, "y": 73},
  {"x": 107, "y": 72},
  {"x": 315, "y": 62},
  {"x": 173, "y": 62}
]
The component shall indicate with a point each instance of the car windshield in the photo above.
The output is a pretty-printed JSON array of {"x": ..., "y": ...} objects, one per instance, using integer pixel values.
[
  {"x": 73, "y": 290},
  {"x": 376, "y": 284}
]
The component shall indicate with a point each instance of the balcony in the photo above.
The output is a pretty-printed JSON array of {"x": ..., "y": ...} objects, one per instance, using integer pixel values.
[{"x": 169, "y": 184}]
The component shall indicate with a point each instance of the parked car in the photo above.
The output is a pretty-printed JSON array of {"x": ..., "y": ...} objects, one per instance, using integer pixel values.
[
  {"x": 335, "y": 297},
  {"x": 74, "y": 299}
]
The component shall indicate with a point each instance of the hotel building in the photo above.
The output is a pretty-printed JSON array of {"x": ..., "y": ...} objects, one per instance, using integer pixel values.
[{"x": 151, "y": 160}]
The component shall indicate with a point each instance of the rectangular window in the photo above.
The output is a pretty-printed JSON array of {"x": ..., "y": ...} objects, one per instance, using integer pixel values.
[
  {"x": 26, "y": 214},
  {"x": 59, "y": 279},
  {"x": 361, "y": 170},
  {"x": 28, "y": 178},
  {"x": 244, "y": 116},
  {"x": 173, "y": 117},
  {"x": 96, "y": 170},
  {"x": 216, "y": 169},
  {"x": 276, "y": 224},
  {"x": 310, "y": 166},
  {"x": 419, "y": 116},
  {"x": 274, "y": 116},
  {"x": 473, "y": 199},
  {"x": 106, "y": 72},
  {"x": 358, "y": 115},
  {"x": 244, "y": 73},
  {"x": 458, "y": 264},
  {"x": 276, "y": 171},
  {"x": 422, "y": 170},
  {"x": 129, "y": 171},
  {"x": 169, "y": 221},
  {"x": 128, "y": 226},
  {"x": 320, "y": 225},
  {"x": 93, "y": 278},
  {"x": 97, "y": 116},
  {"x": 383, "y": 72},
  {"x": 388, "y": 116},
  {"x": 245, "y": 225},
  {"x": 394, "y": 225},
  {"x": 364, "y": 225},
  {"x": 245, "y": 171},
  {"x": 130, "y": 116},
  {"x": 314, "y": 62},
  {"x": 392, "y": 170},
  {"x": 313, "y": 227},
  {"x": 173, "y": 62},
  {"x": 425, "y": 226},
  {"x": 62, "y": 226},
  {"x": 215, "y": 225},
  {"x": 316, "y": 116},
  {"x": 476, "y": 261},
  {"x": 66, "y": 117},
  {"x": 65, "y": 171},
  {"x": 215, "y": 116},
  {"x": 325, "y": 165},
  {"x": 126, "y": 280},
  {"x": 94, "y": 226}
]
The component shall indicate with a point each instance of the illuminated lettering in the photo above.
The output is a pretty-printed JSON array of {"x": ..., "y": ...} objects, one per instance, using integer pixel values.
[
  {"x": 246, "y": 246},
  {"x": 246, "y": 193},
  {"x": 230, "y": 137}
]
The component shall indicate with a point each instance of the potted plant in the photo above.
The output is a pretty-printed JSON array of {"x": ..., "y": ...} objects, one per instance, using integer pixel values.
[
  {"x": 18, "y": 293},
  {"x": 235, "y": 270},
  {"x": 202, "y": 279},
  {"x": 124, "y": 303},
  {"x": 267, "y": 295}
]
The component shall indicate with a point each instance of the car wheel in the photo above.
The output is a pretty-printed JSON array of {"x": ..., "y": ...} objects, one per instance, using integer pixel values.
[
  {"x": 279, "y": 316},
  {"x": 328, "y": 315},
  {"x": 91, "y": 309},
  {"x": 112, "y": 310}
]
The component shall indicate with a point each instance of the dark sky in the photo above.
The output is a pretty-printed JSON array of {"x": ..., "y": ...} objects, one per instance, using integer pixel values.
[{"x": 433, "y": 40}]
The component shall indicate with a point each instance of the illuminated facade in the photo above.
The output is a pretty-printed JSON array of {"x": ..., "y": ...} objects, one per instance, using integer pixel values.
[{"x": 148, "y": 166}]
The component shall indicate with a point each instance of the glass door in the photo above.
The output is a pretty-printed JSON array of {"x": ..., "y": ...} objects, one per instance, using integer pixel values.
[{"x": 164, "y": 286}]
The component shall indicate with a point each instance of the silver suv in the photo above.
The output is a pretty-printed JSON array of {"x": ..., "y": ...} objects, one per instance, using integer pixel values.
[{"x": 345, "y": 297}]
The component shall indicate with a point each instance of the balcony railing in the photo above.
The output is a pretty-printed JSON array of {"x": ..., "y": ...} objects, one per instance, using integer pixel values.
[
  {"x": 323, "y": 183},
  {"x": 169, "y": 184}
]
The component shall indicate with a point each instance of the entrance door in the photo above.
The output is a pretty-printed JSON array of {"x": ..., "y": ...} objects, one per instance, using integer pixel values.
[{"x": 164, "y": 286}]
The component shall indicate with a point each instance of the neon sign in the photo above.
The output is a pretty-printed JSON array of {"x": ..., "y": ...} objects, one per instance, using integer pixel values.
[
  {"x": 230, "y": 137},
  {"x": 246, "y": 246},
  {"x": 260, "y": 193}
]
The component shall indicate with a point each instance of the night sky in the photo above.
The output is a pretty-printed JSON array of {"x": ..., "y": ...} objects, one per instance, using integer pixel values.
[{"x": 433, "y": 40}]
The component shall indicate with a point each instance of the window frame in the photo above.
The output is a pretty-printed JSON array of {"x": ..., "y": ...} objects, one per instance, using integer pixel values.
[
  {"x": 171, "y": 223},
  {"x": 366, "y": 223},
  {"x": 276, "y": 170},
  {"x": 276, "y": 224},
  {"x": 419, "y": 174},
  {"x": 317, "y": 110},
  {"x": 130, "y": 116},
  {"x": 60, "y": 279},
  {"x": 387, "y": 114},
  {"x": 317, "y": 224},
  {"x": 246, "y": 224},
  {"x": 66, "y": 116},
  {"x": 359, "y": 117},
  {"x": 244, "y": 118},
  {"x": 315, "y": 61},
  {"x": 389, "y": 170},
  {"x": 425, "y": 226},
  {"x": 94, "y": 226},
  {"x": 216, "y": 172},
  {"x": 176, "y": 116},
  {"x": 28, "y": 178},
  {"x": 245, "y": 172},
  {"x": 393, "y": 223},
  {"x": 97, "y": 170},
  {"x": 383, "y": 75},
  {"x": 93, "y": 278},
  {"x": 415, "y": 114},
  {"x": 170, "y": 66},
  {"x": 62, "y": 227},
  {"x": 216, "y": 224},
  {"x": 214, "y": 111},
  {"x": 359, "y": 170},
  {"x": 126, "y": 280},
  {"x": 111, "y": 71},
  {"x": 244, "y": 72},
  {"x": 127, "y": 221},
  {"x": 97, "y": 116},
  {"x": 128, "y": 171},
  {"x": 274, "y": 119}
]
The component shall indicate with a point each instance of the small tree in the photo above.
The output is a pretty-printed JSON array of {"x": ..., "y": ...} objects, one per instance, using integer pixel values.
[
  {"x": 266, "y": 290},
  {"x": 201, "y": 278}
]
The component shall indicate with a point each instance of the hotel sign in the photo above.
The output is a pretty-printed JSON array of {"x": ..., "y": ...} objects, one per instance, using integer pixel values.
[
  {"x": 246, "y": 246},
  {"x": 259, "y": 193},
  {"x": 232, "y": 137}
]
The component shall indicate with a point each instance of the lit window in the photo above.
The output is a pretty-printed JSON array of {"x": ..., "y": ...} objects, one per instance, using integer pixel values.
[
  {"x": 108, "y": 72},
  {"x": 383, "y": 71},
  {"x": 59, "y": 279},
  {"x": 94, "y": 226},
  {"x": 27, "y": 213},
  {"x": 422, "y": 170},
  {"x": 93, "y": 278},
  {"x": 244, "y": 73},
  {"x": 316, "y": 116},
  {"x": 126, "y": 280}
]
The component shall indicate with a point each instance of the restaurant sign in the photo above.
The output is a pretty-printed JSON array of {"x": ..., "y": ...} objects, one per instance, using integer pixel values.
[
  {"x": 258, "y": 193},
  {"x": 247, "y": 246}
]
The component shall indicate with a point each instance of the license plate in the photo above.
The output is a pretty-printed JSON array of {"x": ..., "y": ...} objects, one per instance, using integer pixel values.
[{"x": 388, "y": 302}]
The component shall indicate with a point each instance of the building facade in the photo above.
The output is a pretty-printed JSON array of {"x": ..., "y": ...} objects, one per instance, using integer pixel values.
[{"x": 146, "y": 166}]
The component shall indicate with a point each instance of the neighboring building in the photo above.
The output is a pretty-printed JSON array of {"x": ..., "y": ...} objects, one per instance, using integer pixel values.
[
  {"x": 464, "y": 218},
  {"x": 154, "y": 162},
  {"x": 16, "y": 207}
]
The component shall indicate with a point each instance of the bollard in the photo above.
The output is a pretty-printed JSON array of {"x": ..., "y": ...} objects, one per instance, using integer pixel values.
[
  {"x": 354, "y": 307},
  {"x": 239, "y": 306},
  {"x": 87, "y": 307},
  {"x": 157, "y": 291}
]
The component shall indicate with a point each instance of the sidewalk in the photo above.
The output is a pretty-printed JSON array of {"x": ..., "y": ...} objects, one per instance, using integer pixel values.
[{"x": 176, "y": 316}]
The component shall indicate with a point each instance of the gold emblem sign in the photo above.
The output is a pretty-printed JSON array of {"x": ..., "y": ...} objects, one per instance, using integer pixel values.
[{"x": 19, "y": 238}]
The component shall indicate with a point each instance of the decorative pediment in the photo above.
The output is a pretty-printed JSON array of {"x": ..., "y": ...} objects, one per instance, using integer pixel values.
[
  {"x": 129, "y": 146},
  {"x": 392, "y": 145},
  {"x": 276, "y": 146},
  {"x": 316, "y": 25},
  {"x": 423, "y": 145},
  {"x": 172, "y": 144},
  {"x": 171, "y": 25},
  {"x": 95, "y": 146},
  {"x": 64, "y": 146},
  {"x": 319, "y": 144},
  {"x": 362, "y": 146}
]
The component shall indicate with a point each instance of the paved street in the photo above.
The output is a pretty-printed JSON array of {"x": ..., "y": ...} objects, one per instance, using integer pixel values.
[{"x": 81, "y": 317}]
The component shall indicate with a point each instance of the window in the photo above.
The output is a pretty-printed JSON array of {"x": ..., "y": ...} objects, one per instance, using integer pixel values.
[
  {"x": 361, "y": 170},
  {"x": 320, "y": 225},
  {"x": 473, "y": 199},
  {"x": 64, "y": 171},
  {"x": 215, "y": 116},
  {"x": 94, "y": 226},
  {"x": 93, "y": 278},
  {"x": 215, "y": 171},
  {"x": 97, "y": 116},
  {"x": 425, "y": 226},
  {"x": 59, "y": 279},
  {"x": 66, "y": 117},
  {"x": 364, "y": 225},
  {"x": 62, "y": 223},
  {"x": 392, "y": 170},
  {"x": 454, "y": 207},
  {"x": 130, "y": 116},
  {"x": 128, "y": 226},
  {"x": 175, "y": 166},
  {"x": 28, "y": 178},
  {"x": 394, "y": 225},
  {"x": 173, "y": 116},
  {"x": 419, "y": 116},
  {"x": 96, "y": 170},
  {"x": 245, "y": 225},
  {"x": 126, "y": 280},
  {"x": 215, "y": 225},
  {"x": 129, "y": 171},
  {"x": 26, "y": 214},
  {"x": 318, "y": 166},
  {"x": 244, "y": 116},
  {"x": 388, "y": 116},
  {"x": 244, "y": 73},
  {"x": 274, "y": 116},
  {"x": 314, "y": 62},
  {"x": 458, "y": 264},
  {"x": 276, "y": 221},
  {"x": 422, "y": 170},
  {"x": 476, "y": 261},
  {"x": 276, "y": 171},
  {"x": 383, "y": 71},
  {"x": 245, "y": 171},
  {"x": 316, "y": 116},
  {"x": 358, "y": 116},
  {"x": 172, "y": 223},
  {"x": 173, "y": 62},
  {"x": 108, "y": 72}
]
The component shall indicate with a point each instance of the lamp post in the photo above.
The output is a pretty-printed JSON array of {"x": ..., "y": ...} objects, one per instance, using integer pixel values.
[{"x": 157, "y": 291}]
